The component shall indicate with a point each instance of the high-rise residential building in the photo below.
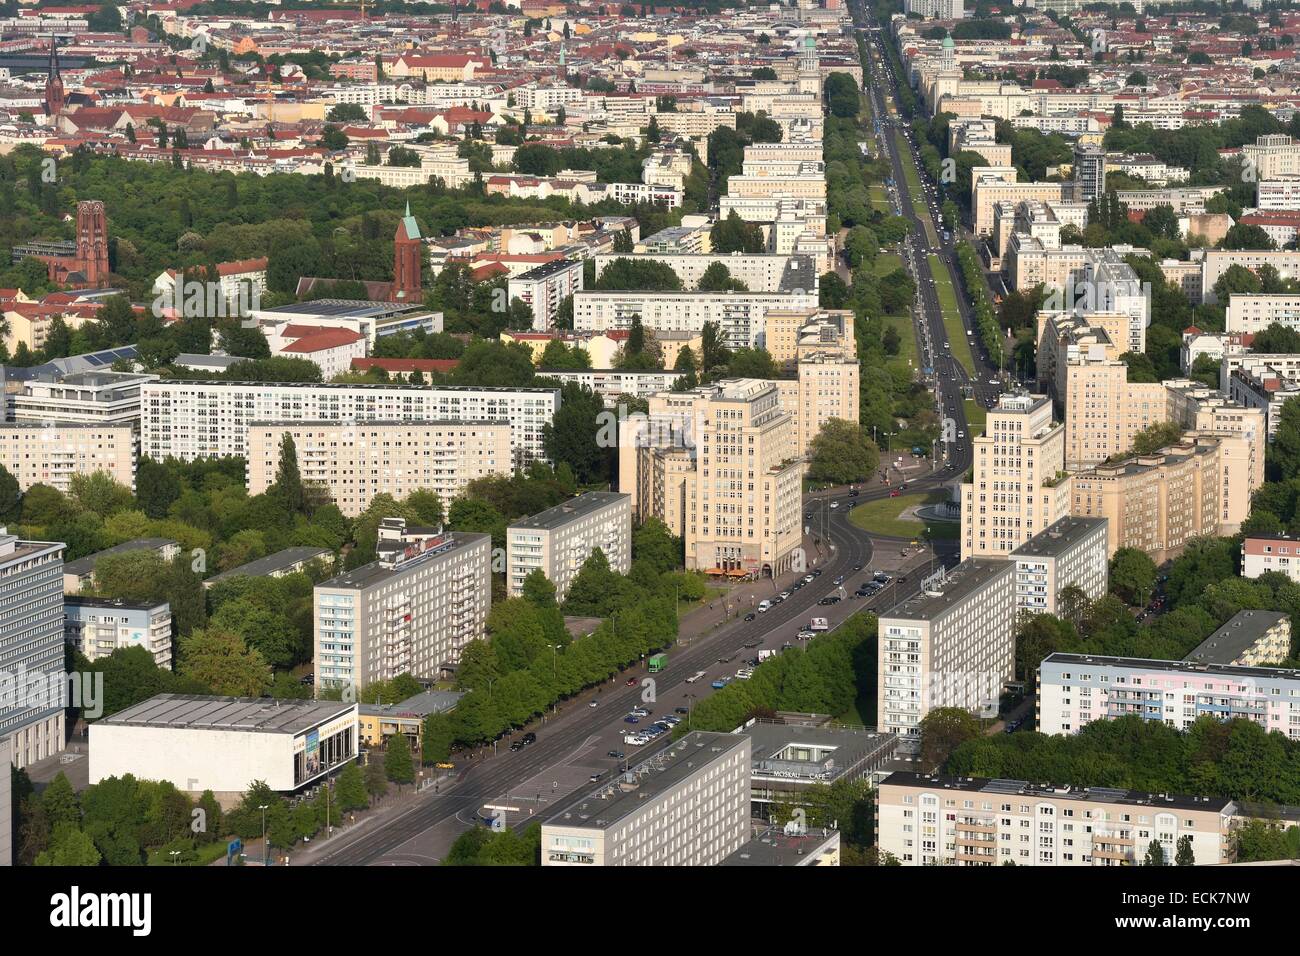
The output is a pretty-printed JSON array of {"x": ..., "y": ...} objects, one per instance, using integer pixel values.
[
  {"x": 1076, "y": 689},
  {"x": 543, "y": 289},
  {"x": 721, "y": 466},
  {"x": 1158, "y": 502},
  {"x": 96, "y": 627},
  {"x": 1089, "y": 171},
  {"x": 559, "y": 540},
  {"x": 952, "y": 645},
  {"x": 1272, "y": 156},
  {"x": 189, "y": 420},
  {"x": 1069, "y": 558},
  {"x": 688, "y": 805},
  {"x": 976, "y": 821},
  {"x": 825, "y": 387},
  {"x": 52, "y": 454},
  {"x": 6, "y": 807},
  {"x": 98, "y": 397},
  {"x": 31, "y": 647},
  {"x": 1247, "y": 313},
  {"x": 354, "y": 461},
  {"x": 411, "y": 611},
  {"x": 1018, "y": 483}
]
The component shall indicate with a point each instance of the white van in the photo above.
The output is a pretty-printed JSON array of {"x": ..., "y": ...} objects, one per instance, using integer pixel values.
[
  {"x": 694, "y": 677},
  {"x": 764, "y": 606}
]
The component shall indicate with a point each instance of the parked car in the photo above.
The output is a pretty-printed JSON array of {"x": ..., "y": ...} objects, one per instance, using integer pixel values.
[
  {"x": 616, "y": 754},
  {"x": 629, "y": 719},
  {"x": 750, "y": 616},
  {"x": 681, "y": 710}
]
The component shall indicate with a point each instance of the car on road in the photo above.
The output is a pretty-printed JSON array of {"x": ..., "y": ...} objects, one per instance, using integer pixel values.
[
  {"x": 827, "y": 601},
  {"x": 808, "y": 578},
  {"x": 444, "y": 765},
  {"x": 630, "y": 682},
  {"x": 785, "y": 595},
  {"x": 894, "y": 493},
  {"x": 764, "y": 606},
  {"x": 721, "y": 682},
  {"x": 835, "y": 504},
  {"x": 750, "y": 616},
  {"x": 727, "y": 659},
  {"x": 595, "y": 777},
  {"x": 616, "y": 754},
  {"x": 854, "y": 493},
  {"x": 838, "y": 581},
  {"x": 529, "y": 738},
  {"x": 807, "y": 516},
  {"x": 640, "y": 712},
  {"x": 681, "y": 710},
  {"x": 630, "y": 719},
  {"x": 816, "y": 572},
  {"x": 744, "y": 674},
  {"x": 694, "y": 677},
  {"x": 880, "y": 577},
  {"x": 806, "y": 633},
  {"x": 593, "y": 704}
]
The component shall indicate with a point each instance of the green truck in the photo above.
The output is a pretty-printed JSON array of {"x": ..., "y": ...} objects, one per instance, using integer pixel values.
[{"x": 658, "y": 662}]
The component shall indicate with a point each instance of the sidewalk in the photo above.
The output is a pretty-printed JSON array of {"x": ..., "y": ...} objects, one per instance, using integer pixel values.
[{"x": 391, "y": 805}]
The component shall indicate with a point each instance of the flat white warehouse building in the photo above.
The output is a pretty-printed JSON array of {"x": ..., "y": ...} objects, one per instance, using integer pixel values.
[{"x": 223, "y": 744}]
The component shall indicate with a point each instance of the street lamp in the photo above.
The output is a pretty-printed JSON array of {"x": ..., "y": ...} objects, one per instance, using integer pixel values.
[
  {"x": 265, "y": 847},
  {"x": 175, "y": 855}
]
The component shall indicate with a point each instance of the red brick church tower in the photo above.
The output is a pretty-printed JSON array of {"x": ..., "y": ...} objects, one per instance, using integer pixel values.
[
  {"x": 92, "y": 243},
  {"x": 54, "y": 97},
  {"x": 407, "y": 253}
]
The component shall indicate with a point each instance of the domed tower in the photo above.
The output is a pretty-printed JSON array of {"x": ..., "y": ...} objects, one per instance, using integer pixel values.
[
  {"x": 949, "y": 52},
  {"x": 810, "y": 70},
  {"x": 54, "y": 98}
]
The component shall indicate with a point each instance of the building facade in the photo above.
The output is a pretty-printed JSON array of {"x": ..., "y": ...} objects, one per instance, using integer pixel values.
[
  {"x": 1071, "y": 554},
  {"x": 559, "y": 540},
  {"x": 96, "y": 627}
]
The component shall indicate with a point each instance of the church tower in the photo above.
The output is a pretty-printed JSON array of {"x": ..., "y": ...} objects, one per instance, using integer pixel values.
[
  {"x": 407, "y": 253},
  {"x": 54, "y": 97},
  {"x": 92, "y": 243}
]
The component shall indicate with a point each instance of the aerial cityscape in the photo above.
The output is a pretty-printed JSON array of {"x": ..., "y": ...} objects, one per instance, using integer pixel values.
[{"x": 564, "y": 433}]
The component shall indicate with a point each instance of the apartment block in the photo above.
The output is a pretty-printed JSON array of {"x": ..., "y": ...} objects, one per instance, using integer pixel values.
[
  {"x": 96, "y": 627},
  {"x": 721, "y": 466},
  {"x": 1071, "y": 554},
  {"x": 544, "y": 288},
  {"x": 740, "y": 316},
  {"x": 615, "y": 384},
  {"x": 79, "y": 575},
  {"x": 354, "y": 461},
  {"x": 1255, "y": 313},
  {"x": 52, "y": 454},
  {"x": 1248, "y": 639},
  {"x": 991, "y": 188},
  {"x": 1272, "y": 156},
  {"x": 688, "y": 805},
  {"x": 788, "y": 333},
  {"x": 1262, "y": 553},
  {"x": 825, "y": 387},
  {"x": 559, "y": 540},
  {"x": 760, "y": 272},
  {"x": 411, "y": 611},
  {"x": 1018, "y": 484},
  {"x": 101, "y": 398},
  {"x": 1076, "y": 689},
  {"x": 31, "y": 643},
  {"x": 1216, "y": 262},
  {"x": 952, "y": 645},
  {"x": 977, "y": 821},
  {"x": 189, "y": 420},
  {"x": 1242, "y": 433},
  {"x": 1155, "y": 503}
]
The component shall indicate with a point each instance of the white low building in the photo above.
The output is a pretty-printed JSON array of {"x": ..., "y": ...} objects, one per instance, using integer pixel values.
[{"x": 223, "y": 744}]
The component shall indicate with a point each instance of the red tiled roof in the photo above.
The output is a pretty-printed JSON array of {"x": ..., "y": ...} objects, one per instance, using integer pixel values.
[{"x": 405, "y": 365}]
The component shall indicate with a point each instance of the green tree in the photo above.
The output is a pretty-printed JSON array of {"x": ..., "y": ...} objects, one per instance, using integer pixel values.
[
  {"x": 376, "y": 779},
  {"x": 156, "y": 487},
  {"x": 1133, "y": 576},
  {"x": 350, "y": 790},
  {"x": 288, "y": 480},
  {"x": 1185, "y": 855},
  {"x": 221, "y": 660},
  {"x": 398, "y": 765},
  {"x": 538, "y": 589},
  {"x": 841, "y": 454},
  {"x": 943, "y": 730},
  {"x": 1155, "y": 854},
  {"x": 10, "y": 497}
]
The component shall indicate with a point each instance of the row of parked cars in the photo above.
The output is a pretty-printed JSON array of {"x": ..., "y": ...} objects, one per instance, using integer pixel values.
[{"x": 646, "y": 734}]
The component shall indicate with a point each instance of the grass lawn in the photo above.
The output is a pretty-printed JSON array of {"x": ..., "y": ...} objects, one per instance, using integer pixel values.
[
  {"x": 879, "y": 198},
  {"x": 902, "y": 324},
  {"x": 975, "y": 417},
  {"x": 882, "y": 517},
  {"x": 951, "y": 315},
  {"x": 886, "y": 262}
]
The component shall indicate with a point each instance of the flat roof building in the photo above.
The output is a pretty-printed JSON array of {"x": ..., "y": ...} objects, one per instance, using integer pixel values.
[
  {"x": 926, "y": 820},
  {"x": 1076, "y": 689},
  {"x": 688, "y": 805},
  {"x": 1072, "y": 553},
  {"x": 96, "y": 627},
  {"x": 31, "y": 642},
  {"x": 288, "y": 561},
  {"x": 559, "y": 540},
  {"x": 951, "y": 645},
  {"x": 80, "y": 574},
  {"x": 224, "y": 743},
  {"x": 1248, "y": 639},
  {"x": 409, "y": 612}
]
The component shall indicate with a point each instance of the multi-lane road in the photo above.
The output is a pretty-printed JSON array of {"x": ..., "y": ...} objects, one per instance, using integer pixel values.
[{"x": 574, "y": 744}]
